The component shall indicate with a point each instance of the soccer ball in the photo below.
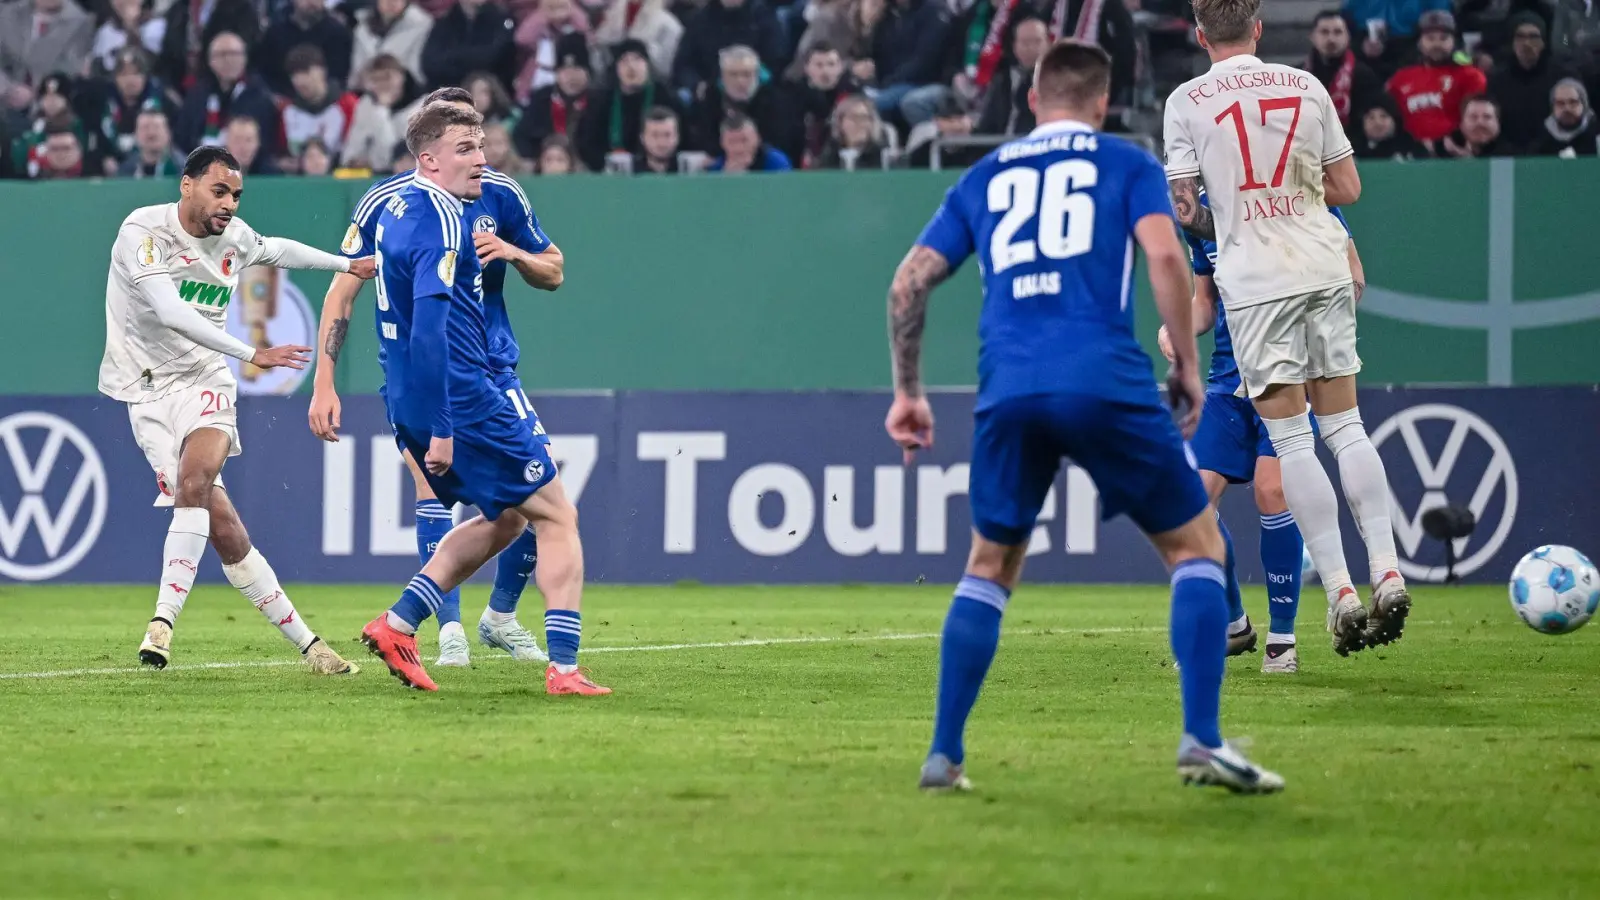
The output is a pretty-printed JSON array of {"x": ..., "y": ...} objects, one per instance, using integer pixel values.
[{"x": 1555, "y": 589}]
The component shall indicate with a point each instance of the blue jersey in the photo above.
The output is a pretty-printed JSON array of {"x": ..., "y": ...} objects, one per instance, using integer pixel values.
[
  {"x": 503, "y": 209},
  {"x": 1224, "y": 375},
  {"x": 432, "y": 322},
  {"x": 1051, "y": 217}
]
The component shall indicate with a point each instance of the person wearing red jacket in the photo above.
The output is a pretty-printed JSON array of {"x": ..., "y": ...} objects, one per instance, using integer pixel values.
[{"x": 1430, "y": 93}]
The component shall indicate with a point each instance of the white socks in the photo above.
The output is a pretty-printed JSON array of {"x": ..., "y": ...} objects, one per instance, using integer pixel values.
[
  {"x": 259, "y": 584},
  {"x": 1366, "y": 487},
  {"x": 186, "y": 543},
  {"x": 399, "y": 624},
  {"x": 1311, "y": 498}
]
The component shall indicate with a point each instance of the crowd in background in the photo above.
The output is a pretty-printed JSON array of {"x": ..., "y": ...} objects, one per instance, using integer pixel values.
[{"x": 124, "y": 88}]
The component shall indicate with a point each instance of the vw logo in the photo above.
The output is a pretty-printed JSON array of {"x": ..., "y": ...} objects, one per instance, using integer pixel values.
[
  {"x": 1497, "y": 477},
  {"x": 57, "y": 474}
]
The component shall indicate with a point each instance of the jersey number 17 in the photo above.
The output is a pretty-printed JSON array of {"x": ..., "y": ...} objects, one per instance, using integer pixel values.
[
  {"x": 1064, "y": 211},
  {"x": 1264, "y": 106}
]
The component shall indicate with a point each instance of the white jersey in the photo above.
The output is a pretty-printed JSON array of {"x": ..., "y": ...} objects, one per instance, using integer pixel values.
[
  {"x": 1258, "y": 136},
  {"x": 144, "y": 359}
]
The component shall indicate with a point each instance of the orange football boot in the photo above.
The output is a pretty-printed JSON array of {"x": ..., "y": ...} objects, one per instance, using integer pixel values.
[
  {"x": 574, "y": 682},
  {"x": 398, "y": 652}
]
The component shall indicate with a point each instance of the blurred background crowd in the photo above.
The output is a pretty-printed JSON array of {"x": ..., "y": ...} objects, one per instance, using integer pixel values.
[{"x": 124, "y": 88}]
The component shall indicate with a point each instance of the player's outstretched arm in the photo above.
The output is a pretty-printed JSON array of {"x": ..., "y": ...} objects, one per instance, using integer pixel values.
[
  {"x": 288, "y": 254},
  {"x": 1169, "y": 280},
  {"x": 1194, "y": 216},
  {"x": 1358, "y": 272},
  {"x": 332, "y": 330},
  {"x": 1341, "y": 182}
]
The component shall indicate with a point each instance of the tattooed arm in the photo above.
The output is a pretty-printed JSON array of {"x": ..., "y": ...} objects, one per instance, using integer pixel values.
[
  {"x": 920, "y": 272},
  {"x": 1194, "y": 216},
  {"x": 331, "y": 334}
]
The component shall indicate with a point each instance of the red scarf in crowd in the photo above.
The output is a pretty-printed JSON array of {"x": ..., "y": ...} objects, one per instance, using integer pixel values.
[
  {"x": 983, "y": 56},
  {"x": 1088, "y": 27},
  {"x": 630, "y": 13},
  {"x": 559, "y": 109},
  {"x": 1339, "y": 88}
]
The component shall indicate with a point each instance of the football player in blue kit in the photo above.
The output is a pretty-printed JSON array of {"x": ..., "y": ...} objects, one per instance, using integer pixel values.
[
  {"x": 1054, "y": 218},
  {"x": 449, "y": 412},
  {"x": 506, "y": 233},
  {"x": 1232, "y": 446}
]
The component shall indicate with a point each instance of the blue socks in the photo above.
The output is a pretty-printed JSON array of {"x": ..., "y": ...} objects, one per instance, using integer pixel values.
[
  {"x": 512, "y": 571},
  {"x": 1282, "y": 552},
  {"x": 563, "y": 631},
  {"x": 433, "y": 523},
  {"x": 1199, "y": 635},
  {"x": 1235, "y": 600},
  {"x": 421, "y": 599},
  {"x": 971, "y": 634}
]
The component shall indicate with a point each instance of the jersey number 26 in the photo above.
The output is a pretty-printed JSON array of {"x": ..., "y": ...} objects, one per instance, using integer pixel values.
[{"x": 1065, "y": 213}]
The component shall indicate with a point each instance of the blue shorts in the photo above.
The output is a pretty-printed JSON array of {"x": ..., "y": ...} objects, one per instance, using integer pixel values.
[
  {"x": 1131, "y": 450},
  {"x": 497, "y": 464},
  {"x": 1231, "y": 437},
  {"x": 507, "y": 383}
]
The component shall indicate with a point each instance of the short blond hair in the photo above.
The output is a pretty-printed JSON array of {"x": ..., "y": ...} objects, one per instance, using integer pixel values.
[{"x": 1227, "y": 22}]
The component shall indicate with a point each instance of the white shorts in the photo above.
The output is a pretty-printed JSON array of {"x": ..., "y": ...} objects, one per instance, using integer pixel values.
[
  {"x": 1294, "y": 339},
  {"x": 161, "y": 426}
]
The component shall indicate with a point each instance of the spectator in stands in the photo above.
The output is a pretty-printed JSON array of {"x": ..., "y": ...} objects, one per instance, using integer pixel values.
[
  {"x": 1389, "y": 28},
  {"x": 739, "y": 89},
  {"x": 192, "y": 27},
  {"x": 153, "y": 155},
  {"x": 242, "y": 137},
  {"x": 1382, "y": 137},
  {"x": 473, "y": 35},
  {"x": 498, "y": 150},
  {"x": 824, "y": 82},
  {"x": 316, "y": 109},
  {"x": 556, "y": 156},
  {"x": 1109, "y": 24},
  {"x": 718, "y": 25},
  {"x": 1005, "y": 105},
  {"x": 856, "y": 141},
  {"x": 845, "y": 25},
  {"x": 110, "y": 108},
  {"x": 38, "y": 37},
  {"x": 557, "y": 108},
  {"x": 52, "y": 111},
  {"x": 62, "y": 155},
  {"x": 1521, "y": 85},
  {"x": 1571, "y": 129},
  {"x": 394, "y": 28},
  {"x": 647, "y": 21},
  {"x": 744, "y": 151},
  {"x": 403, "y": 160},
  {"x": 1430, "y": 93},
  {"x": 223, "y": 92},
  {"x": 1479, "y": 134},
  {"x": 536, "y": 39},
  {"x": 131, "y": 23},
  {"x": 490, "y": 99},
  {"x": 1351, "y": 83},
  {"x": 660, "y": 140},
  {"x": 381, "y": 115},
  {"x": 615, "y": 115},
  {"x": 314, "y": 159},
  {"x": 907, "y": 47},
  {"x": 308, "y": 23},
  {"x": 950, "y": 120}
]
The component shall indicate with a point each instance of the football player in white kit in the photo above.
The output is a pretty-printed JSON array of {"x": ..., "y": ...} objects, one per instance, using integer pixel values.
[
  {"x": 174, "y": 268},
  {"x": 1266, "y": 144}
]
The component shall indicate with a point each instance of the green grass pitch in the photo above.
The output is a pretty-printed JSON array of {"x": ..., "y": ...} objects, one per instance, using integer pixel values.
[{"x": 1457, "y": 763}]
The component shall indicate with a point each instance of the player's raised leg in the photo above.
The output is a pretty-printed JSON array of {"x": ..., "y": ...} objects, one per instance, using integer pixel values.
[
  {"x": 1282, "y": 555},
  {"x": 1366, "y": 488},
  {"x": 249, "y": 572},
  {"x": 434, "y": 521}
]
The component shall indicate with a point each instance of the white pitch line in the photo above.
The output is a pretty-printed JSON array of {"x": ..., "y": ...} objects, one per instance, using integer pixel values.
[{"x": 623, "y": 648}]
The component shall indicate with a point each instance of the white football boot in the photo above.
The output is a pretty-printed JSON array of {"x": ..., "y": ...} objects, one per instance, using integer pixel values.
[
  {"x": 453, "y": 649},
  {"x": 510, "y": 637}
]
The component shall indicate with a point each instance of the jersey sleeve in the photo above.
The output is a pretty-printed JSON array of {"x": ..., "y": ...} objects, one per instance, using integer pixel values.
[
  {"x": 360, "y": 238},
  {"x": 138, "y": 253},
  {"x": 1183, "y": 161},
  {"x": 1199, "y": 256},
  {"x": 522, "y": 224},
  {"x": 1335, "y": 143},
  {"x": 949, "y": 233},
  {"x": 1148, "y": 194},
  {"x": 1340, "y": 216}
]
